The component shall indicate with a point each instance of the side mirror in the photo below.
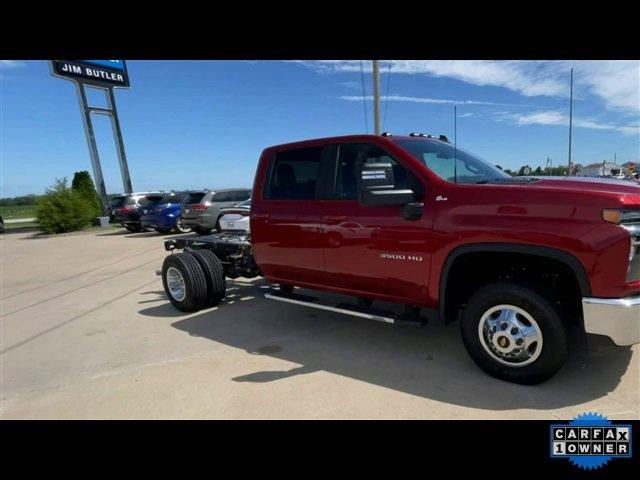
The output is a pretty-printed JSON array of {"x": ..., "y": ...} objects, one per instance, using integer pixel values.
[{"x": 376, "y": 186}]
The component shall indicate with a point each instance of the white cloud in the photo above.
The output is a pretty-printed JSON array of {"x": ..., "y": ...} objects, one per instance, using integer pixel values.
[
  {"x": 554, "y": 117},
  {"x": 12, "y": 64},
  {"x": 616, "y": 83},
  {"x": 351, "y": 85}
]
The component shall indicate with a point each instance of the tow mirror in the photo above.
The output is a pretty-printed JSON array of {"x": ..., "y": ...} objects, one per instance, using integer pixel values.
[{"x": 376, "y": 186}]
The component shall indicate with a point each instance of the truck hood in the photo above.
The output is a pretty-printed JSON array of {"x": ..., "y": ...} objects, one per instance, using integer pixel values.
[{"x": 627, "y": 191}]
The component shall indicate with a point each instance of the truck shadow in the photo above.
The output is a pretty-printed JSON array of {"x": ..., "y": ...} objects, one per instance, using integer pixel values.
[{"x": 428, "y": 362}]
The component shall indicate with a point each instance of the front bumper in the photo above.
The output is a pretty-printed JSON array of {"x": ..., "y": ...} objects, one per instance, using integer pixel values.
[{"x": 616, "y": 318}]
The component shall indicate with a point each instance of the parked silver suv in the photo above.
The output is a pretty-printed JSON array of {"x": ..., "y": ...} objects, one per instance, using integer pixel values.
[{"x": 201, "y": 210}]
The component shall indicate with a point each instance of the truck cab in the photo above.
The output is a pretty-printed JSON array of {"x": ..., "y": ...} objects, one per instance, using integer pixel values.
[{"x": 418, "y": 221}]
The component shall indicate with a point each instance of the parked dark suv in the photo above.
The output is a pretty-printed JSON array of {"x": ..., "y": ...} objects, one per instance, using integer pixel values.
[
  {"x": 201, "y": 210},
  {"x": 125, "y": 209}
]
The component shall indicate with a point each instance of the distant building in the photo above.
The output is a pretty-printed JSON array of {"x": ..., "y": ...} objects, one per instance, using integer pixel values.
[{"x": 604, "y": 169}]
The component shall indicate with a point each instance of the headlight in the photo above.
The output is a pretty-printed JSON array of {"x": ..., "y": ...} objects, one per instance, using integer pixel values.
[
  {"x": 621, "y": 217},
  {"x": 630, "y": 221}
]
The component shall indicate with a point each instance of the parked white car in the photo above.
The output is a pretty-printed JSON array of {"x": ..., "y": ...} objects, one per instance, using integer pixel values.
[{"x": 236, "y": 218}]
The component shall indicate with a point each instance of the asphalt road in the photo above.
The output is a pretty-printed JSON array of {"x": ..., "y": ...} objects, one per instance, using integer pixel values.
[{"x": 87, "y": 332}]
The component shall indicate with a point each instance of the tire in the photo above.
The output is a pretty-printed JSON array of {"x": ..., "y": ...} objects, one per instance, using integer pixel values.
[
  {"x": 202, "y": 231},
  {"x": 214, "y": 273},
  {"x": 546, "y": 335},
  {"x": 179, "y": 228},
  {"x": 193, "y": 279},
  {"x": 133, "y": 228}
]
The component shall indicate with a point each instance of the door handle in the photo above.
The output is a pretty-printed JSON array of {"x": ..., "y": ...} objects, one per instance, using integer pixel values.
[
  {"x": 260, "y": 216},
  {"x": 335, "y": 218}
]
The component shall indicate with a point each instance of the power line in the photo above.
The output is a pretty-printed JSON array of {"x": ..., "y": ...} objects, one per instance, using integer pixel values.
[{"x": 364, "y": 98}]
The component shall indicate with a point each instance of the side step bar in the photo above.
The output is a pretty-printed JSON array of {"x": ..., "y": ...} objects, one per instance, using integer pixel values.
[{"x": 354, "y": 310}]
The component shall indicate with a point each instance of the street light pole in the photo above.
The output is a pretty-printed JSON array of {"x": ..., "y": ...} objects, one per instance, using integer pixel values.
[{"x": 376, "y": 97}]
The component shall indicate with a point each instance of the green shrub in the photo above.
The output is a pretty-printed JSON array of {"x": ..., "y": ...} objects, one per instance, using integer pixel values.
[
  {"x": 63, "y": 209},
  {"x": 83, "y": 184}
]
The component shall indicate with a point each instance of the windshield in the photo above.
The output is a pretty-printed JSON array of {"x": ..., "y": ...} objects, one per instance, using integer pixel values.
[
  {"x": 245, "y": 204},
  {"x": 439, "y": 158}
]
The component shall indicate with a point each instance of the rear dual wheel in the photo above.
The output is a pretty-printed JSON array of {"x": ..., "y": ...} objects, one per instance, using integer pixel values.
[
  {"x": 193, "y": 280},
  {"x": 216, "y": 282}
]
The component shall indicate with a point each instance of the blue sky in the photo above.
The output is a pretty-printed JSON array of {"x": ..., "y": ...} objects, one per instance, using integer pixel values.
[{"x": 192, "y": 124}]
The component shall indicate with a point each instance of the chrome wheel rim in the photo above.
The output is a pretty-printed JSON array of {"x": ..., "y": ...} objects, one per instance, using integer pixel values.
[
  {"x": 175, "y": 284},
  {"x": 181, "y": 227},
  {"x": 510, "y": 335}
]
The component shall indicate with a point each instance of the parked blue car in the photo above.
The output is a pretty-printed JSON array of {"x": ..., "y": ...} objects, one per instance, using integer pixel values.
[{"x": 161, "y": 212}]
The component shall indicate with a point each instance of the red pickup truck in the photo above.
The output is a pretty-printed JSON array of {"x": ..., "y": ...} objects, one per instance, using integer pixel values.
[{"x": 416, "y": 221}]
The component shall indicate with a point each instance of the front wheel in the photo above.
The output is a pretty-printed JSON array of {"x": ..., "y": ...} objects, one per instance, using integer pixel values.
[{"x": 514, "y": 333}]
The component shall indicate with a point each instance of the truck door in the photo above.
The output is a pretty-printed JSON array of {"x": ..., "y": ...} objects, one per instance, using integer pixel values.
[
  {"x": 374, "y": 249},
  {"x": 286, "y": 223}
]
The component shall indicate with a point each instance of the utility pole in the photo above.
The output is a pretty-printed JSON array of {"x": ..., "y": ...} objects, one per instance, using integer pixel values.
[
  {"x": 570, "y": 120},
  {"x": 376, "y": 97}
]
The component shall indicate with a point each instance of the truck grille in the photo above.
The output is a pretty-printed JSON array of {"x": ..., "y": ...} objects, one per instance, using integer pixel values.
[
  {"x": 631, "y": 223},
  {"x": 634, "y": 254}
]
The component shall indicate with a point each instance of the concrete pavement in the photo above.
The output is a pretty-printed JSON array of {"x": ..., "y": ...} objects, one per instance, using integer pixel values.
[{"x": 87, "y": 332}]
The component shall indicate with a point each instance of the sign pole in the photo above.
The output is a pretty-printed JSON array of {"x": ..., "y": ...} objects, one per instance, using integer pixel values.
[
  {"x": 104, "y": 75},
  {"x": 117, "y": 133},
  {"x": 93, "y": 148}
]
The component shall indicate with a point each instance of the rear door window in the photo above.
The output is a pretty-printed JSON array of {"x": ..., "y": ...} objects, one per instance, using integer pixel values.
[
  {"x": 295, "y": 174},
  {"x": 223, "y": 197},
  {"x": 241, "y": 195}
]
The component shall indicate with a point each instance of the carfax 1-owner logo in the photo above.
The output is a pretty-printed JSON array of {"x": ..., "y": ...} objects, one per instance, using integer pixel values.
[{"x": 590, "y": 441}]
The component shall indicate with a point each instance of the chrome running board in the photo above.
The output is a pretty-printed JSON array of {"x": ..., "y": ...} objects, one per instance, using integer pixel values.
[{"x": 346, "y": 309}]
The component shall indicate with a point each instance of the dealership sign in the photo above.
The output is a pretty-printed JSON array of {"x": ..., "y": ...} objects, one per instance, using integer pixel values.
[
  {"x": 100, "y": 73},
  {"x": 105, "y": 75}
]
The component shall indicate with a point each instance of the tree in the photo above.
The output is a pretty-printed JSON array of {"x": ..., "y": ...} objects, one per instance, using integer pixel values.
[
  {"x": 63, "y": 209},
  {"x": 538, "y": 171},
  {"x": 524, "y": 170},
  {"x": 83, "y": 184}
]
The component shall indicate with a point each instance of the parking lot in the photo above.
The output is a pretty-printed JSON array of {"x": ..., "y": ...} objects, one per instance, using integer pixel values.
[{"x": 87, "y": 332}]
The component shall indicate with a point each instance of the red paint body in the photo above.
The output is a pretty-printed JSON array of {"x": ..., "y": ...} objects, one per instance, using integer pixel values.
[{"x": 336, "y": 244}]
